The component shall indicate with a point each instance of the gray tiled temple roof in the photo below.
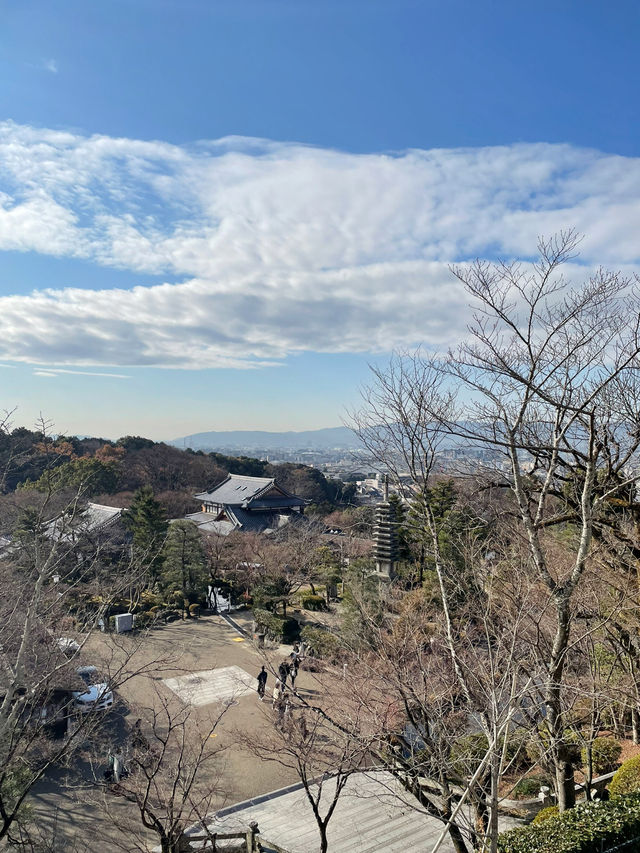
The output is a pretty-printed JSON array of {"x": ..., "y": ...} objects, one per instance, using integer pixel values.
[{"x": 238, "y": 490}]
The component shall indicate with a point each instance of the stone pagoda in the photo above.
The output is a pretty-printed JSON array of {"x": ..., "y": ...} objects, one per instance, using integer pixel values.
[{"x": 385, "y": 537}]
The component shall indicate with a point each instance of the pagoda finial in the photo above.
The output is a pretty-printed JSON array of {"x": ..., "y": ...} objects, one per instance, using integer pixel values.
[{"x": 386, "y": 487}]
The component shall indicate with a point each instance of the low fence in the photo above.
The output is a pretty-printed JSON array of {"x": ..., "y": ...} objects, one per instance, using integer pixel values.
[{"x": 626, "y": 846}]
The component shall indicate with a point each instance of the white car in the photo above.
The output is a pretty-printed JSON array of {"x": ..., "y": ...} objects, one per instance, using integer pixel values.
[
  {"x": 68, "y": 646},
  {"x": 97, "y": 697}
]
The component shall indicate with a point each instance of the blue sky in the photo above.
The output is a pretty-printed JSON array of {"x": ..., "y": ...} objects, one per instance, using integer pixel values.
[{"x": 214, "y": 214}]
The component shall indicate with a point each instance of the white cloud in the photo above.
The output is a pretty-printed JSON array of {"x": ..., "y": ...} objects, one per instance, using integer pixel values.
[
  {"x": 54, "y": 371},
  {"x": 50, "y": 65},
  {"x": 280, "y": 247}
]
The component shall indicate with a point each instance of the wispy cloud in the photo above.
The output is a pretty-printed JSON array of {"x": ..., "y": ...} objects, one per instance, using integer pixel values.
[
  {"x": 281, "y": 248},
  {"x": 55, "y": 371},
  {"x": 50, "y": 65}
]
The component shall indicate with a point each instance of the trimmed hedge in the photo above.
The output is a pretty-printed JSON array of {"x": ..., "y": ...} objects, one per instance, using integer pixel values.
[
  {"x": 626, "y": 779},
  {"x": 322, "y": 643},
  {"x": 314, "y": 602},
  {"x": 468, "y": 751},
  {"x": 275, "y": 627},
  {"x": 585, "y": 829},
  {"x": 530, "y": 786},
  {"x": 605, "y": 752},
  {"x": 546, "y": 814}
]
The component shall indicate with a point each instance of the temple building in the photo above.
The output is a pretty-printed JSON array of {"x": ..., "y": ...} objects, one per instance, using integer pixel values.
[{"x": 256, "y": 504}]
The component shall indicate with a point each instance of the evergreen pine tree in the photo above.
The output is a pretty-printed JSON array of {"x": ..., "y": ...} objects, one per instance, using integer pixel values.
[
  {"x": 184, "y": 564},
  {"x": 146, "y": 520}
]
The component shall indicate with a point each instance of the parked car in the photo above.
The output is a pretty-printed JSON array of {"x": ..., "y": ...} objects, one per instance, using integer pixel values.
[
  {"x": 98, "y": 696},
  {"x": 68, "y": 646}
]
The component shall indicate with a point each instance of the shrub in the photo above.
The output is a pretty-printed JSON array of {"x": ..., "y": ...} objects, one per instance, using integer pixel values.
[
  {"x": 144, "y": 619},
  {"x": 588, "y": 828},
  {"x": 276, "y": 627},
  {"x": 194, "y": 611},
  {"x": 605, "y": 753},
  {"x": 627, "y": 778},
  {"x": 322, "y": 643},
  {"x": 467, "y": 752},
  {"x": 149, "y": 600},
  {"x": 539, "y": 756},
  {"x": 546, "y": 814},
  {"x": 530, "y": 786},
  {"x": 172, "y": 615},
  {"x": 314, "y": 602}
]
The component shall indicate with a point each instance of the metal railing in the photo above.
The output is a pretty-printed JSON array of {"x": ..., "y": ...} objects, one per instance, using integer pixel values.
[{"x": 626, "y": 846}]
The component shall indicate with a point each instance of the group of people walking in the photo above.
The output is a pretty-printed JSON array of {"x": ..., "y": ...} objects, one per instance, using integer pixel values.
[{"x": 287, "y": 670}]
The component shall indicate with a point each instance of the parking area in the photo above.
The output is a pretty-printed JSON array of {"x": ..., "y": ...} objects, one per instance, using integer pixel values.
[{"x": 201, "y": 664}]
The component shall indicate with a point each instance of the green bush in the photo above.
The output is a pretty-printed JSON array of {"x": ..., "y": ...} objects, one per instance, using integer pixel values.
[
  {"x": 627, "y": 778},
  {"x": 276, "y": 627},
  {"x": 322, "y": 643},
  {"x": 314, "y": 602},
  {"x": 546, "y": 814},
  {"x": 538, "y": 756},
  {"x": 605, "y": 753},
  {"x": 529, "y": 787},
  {"x": 144, "y": 619},
  {"x": 149, "y": 600},
  {"x": 467, "y": 752},
  {"x": 588, "y": 828}
]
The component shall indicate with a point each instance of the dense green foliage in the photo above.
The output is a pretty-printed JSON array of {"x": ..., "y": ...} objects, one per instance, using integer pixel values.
[
  {"x": 605, "y": 753},
  {"x": 183, "y": 559},
  {"x": 276, "y": 627},
  {"x": 588, "y": 828},
  {"x": 546, "y": 814},
  {"x": 88, "y": 476},
  {"x": 314, "y": 602},
  {"x": 146, "y": 520},
  {"x": 529, "y": 787},
  {"x": 627, "y": 778},
  {"x": 323, "y": 644},
  {"x": 468, "y": 751}
]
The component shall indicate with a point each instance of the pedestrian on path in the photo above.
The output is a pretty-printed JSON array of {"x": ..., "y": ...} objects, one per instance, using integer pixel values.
[
  {"x": 262, "y": 683},
  {"x": 277, "y": 693},
  {"x": 293, "y": 672},
  {"x": 283, "y": 672}
]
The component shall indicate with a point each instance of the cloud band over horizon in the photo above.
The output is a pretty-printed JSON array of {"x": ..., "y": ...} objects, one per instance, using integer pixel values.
[{"x": 276, "y": 248}]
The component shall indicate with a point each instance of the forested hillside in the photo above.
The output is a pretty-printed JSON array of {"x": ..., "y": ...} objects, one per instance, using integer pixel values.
[{"x": 111, "y": 471}]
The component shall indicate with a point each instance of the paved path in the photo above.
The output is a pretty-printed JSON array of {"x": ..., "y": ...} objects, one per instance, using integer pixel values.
[{"x": 180, "y": 650}]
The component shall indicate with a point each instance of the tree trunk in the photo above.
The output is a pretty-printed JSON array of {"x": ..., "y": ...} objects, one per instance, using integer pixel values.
[
  {"x": 324, "y": 843},
  {"x": 565, "y": 785},
  {"x": 588, "y": 776},
  {"x": 635, "y": 725}
]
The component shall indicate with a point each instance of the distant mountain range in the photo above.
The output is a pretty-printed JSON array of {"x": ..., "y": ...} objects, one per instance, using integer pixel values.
[{"x": 314, "y": 439}]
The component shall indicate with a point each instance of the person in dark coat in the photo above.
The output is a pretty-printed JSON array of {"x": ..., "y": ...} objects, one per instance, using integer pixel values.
[{"x": 262, "y": 683}]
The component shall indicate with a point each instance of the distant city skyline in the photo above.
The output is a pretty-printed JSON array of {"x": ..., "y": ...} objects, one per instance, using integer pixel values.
[{"x": 214, "y": 216}]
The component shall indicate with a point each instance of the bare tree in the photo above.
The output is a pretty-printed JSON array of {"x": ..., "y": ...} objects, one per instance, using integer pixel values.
[
  {"x": 169, "y": 771},
  {"x": 544, "y": 392},
  {"x": 43, "y": 576},
  {"x": 323, "y": 756}
]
